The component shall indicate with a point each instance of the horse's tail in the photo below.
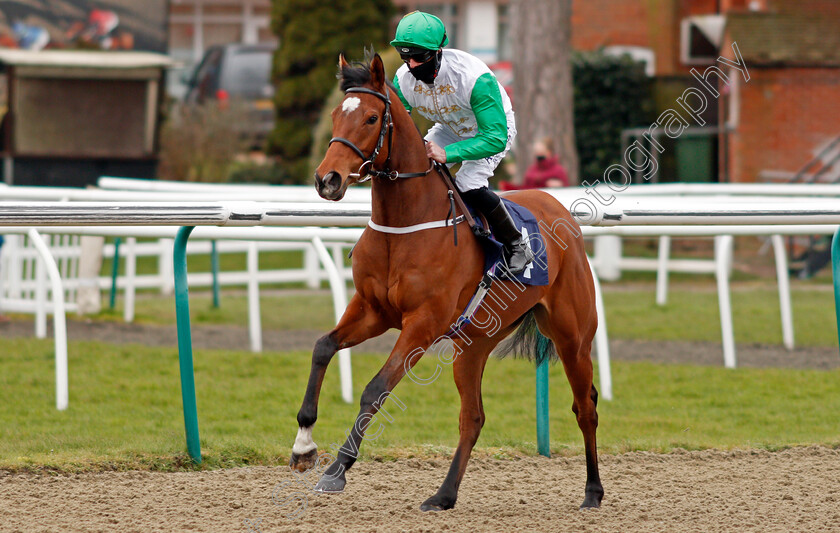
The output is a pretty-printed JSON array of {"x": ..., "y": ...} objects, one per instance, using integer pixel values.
[{"x": 528, "y": 343}]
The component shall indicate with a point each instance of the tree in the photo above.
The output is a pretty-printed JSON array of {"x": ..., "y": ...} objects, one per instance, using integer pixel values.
[
  {"x": 312, "y": 33},
  {"x": 542, "y": 87}
]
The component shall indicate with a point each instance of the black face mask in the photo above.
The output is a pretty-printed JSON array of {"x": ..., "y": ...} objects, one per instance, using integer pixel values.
[{"x": 428, "y": 71}]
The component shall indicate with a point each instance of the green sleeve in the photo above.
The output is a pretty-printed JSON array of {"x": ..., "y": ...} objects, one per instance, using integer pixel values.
[
  {"x": 491, "y": 139},
  {"x": 400, "y": 94}
]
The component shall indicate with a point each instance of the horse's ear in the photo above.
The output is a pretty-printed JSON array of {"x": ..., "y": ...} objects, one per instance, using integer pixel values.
[
  {"x": 342, "y": 62},
  {"x": 377, "y": 73}
]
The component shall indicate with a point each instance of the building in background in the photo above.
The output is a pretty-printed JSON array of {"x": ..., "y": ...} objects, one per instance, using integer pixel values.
[
  {"x": 196, "y": 25},
  {"x": 784, "y": 123},
  {"x": 769, "y": 127},
  {"x": 71, "y": 116},
  {"x": 81, "y": 86}
]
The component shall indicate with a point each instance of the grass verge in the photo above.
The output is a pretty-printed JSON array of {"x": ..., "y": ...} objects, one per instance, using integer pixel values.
[
  {"x": 691, "y": 313},
  {"x": 125, "y": 409}
]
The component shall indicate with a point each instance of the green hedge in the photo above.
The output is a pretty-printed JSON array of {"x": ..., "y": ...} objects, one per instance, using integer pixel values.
[{"x": 610, "y": 94}]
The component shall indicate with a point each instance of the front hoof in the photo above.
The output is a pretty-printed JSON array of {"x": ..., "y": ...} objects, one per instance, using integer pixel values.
[
  {"x": 437, "y": 503},
  {"x": 592, "y": 500},
  {"x": 303, "y": 461},
  {"x": 331, "y": 484}
]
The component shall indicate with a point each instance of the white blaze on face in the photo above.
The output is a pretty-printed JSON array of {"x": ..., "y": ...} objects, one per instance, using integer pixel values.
[
  {"x": 303, "y": 441},
  {"x": 350, "y": 104}
]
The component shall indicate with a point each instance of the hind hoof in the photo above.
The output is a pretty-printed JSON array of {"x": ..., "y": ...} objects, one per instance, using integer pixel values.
[
  {"x": 592, "y": 500},
  {"x": 303, "y": 461},
  {"x": 437, "y": 503}
]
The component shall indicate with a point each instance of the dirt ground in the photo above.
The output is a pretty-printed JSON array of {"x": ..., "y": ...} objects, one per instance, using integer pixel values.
[
  {"x": 792, "y": 490},
  {"x": 708, "y": 491}
]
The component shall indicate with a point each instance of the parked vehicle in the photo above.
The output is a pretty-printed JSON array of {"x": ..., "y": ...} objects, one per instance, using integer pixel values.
[{"x": 233, "y": 75}]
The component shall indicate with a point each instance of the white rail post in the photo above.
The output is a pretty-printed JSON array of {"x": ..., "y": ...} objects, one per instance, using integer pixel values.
[
  {"x": 602, "y": 341},
  {"x": 783, "y": 279},
  {"x": 662, "y": 270},
  {"x": 130, "y": 278},
  {"x": 338, "y": 258},
  {"x": 723, "y": 261},
  {"x": 13, "y": 247},
  {"x": 166, "y": 267},
  {"x": 608, "y": 257},
  {"x": 88, "y": 295},
  {"x": 310, "y": 266},
  {"x": 59, "y": 324},
  {"x": 40, "y": 292},
  {"x": 339, "y": 292},
  {"x": 254, "y": 317}
]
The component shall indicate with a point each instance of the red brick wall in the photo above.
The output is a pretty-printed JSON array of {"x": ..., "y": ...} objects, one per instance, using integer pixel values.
[
  {"x": 597, "y": 23},
  {"x": 699, "y": 7},
  {"x": 785, "y": 115},
  {"x": 653, "y": 24},
  {"x": 829, "y": 8}
]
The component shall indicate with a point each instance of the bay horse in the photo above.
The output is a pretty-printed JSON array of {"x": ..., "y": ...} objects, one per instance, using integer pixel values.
[{"x": 415, "y": 279}]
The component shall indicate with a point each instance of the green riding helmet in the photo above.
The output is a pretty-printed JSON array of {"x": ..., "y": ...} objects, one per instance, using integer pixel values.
[{"x": 420, "y": 30}]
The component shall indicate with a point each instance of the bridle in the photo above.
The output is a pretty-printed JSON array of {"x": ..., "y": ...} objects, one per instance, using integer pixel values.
[{"x": 366, "y": 170}]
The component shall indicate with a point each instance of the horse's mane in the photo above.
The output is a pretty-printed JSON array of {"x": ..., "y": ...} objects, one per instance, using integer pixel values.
[{"x": 357, "y": 73}]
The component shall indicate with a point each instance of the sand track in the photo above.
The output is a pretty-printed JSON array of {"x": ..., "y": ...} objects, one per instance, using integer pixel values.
[{"x": 792, "y": 490}]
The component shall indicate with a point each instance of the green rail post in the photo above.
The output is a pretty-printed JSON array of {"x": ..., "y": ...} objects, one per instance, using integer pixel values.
[
  {"x": 214, "y": 266},
  {"x": 115, "y": 270},
  {"x": 835, "y": 274},
  {"x": 543, "y": 446},
  {"x": 185, "y": 358},
  {"x": 543, "y": 351}
]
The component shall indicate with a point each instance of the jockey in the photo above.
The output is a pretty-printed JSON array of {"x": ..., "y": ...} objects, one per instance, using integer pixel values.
[{"x": 473, "y": 119}]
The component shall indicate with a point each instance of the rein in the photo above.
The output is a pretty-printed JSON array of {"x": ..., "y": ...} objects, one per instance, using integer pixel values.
[{"x": 366, "y": 170}]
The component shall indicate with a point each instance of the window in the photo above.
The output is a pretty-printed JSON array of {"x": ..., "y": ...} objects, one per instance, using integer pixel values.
[{"x": 700, "y": 38}]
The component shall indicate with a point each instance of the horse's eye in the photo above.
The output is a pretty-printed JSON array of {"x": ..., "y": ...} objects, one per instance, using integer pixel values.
[{"x": 372, "y": 120}]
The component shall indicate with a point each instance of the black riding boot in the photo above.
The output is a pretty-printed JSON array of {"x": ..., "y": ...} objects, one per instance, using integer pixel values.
[{"x": 517, "y": 252}]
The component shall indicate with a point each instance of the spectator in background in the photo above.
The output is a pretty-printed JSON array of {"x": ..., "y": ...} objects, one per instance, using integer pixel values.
[{"x": 546, "y": 170}]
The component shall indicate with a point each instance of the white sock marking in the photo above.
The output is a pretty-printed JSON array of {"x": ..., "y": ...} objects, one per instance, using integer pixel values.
[{"x": 304, "y": 442}]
